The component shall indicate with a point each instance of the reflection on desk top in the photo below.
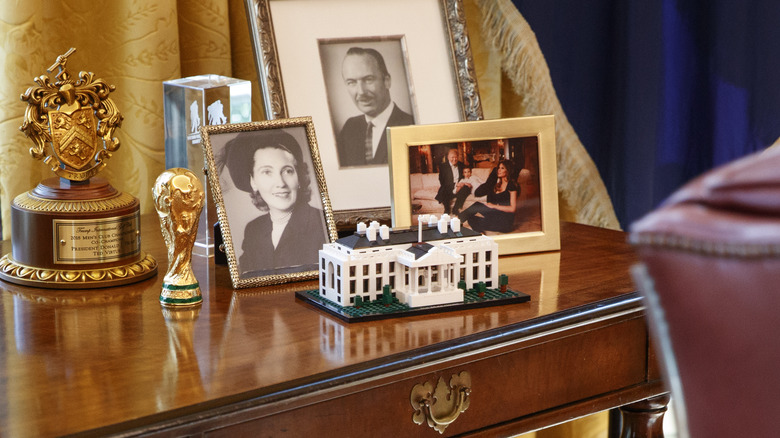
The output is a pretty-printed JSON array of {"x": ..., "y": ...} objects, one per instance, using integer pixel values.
[{"x": 73, "y": 361}]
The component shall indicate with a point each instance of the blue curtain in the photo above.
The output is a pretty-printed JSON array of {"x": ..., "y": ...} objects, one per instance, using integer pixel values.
[{"x": 661, "y": 91}]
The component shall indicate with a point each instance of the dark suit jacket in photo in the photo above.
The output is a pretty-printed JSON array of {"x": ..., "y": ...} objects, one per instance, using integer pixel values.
[
  {"x": 351, "y": 141},
  {"x": 298, "y": 246},
  {"x": 447, "y": 183}
]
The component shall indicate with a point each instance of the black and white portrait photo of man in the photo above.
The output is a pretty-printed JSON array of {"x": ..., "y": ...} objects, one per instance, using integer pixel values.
[{"x": 365, "y": 78}]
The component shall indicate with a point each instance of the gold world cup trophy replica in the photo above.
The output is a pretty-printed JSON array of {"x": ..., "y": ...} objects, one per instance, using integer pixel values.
[
  {"x": 74, "y": 231},
  {"x": 178, "y": 199}
]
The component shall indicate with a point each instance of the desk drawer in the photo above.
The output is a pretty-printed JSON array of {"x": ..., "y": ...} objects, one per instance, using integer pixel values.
[{"x": 509, "y": 383}]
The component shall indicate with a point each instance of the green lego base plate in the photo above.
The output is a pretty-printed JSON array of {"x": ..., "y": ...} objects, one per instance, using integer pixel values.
[{"x": 374, "y": 310}]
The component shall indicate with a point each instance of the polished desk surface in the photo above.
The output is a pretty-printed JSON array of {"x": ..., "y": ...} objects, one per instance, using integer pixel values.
[{"x": 112, "y": 360}]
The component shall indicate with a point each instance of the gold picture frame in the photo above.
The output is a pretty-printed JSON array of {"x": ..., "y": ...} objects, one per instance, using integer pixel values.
[
  {"x": 263, "y": 174},
  {"x": 525, "y": 146},
  {"x": 295, "y": 77}
]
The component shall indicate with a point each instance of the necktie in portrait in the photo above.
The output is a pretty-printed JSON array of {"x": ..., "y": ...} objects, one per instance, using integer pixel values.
[{"x": 369, "y": 142}]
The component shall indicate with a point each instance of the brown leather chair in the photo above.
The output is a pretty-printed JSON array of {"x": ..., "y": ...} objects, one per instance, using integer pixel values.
[{"x": 710, "y": 276}]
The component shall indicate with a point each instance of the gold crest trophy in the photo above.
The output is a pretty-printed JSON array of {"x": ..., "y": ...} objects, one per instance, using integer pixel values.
[{"x": 75, "y": 231}]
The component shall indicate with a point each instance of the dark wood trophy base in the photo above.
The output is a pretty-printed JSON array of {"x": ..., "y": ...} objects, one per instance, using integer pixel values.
[{"x": 75, "y": 235}]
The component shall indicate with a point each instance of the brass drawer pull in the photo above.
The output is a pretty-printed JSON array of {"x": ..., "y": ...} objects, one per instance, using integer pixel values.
[{"x": 442, "y": 406}]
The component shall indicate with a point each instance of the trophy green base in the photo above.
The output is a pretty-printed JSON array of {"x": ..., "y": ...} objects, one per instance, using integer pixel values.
[
  {"x": 180, "y": 295},
  {"x": 68, "y": 235}
]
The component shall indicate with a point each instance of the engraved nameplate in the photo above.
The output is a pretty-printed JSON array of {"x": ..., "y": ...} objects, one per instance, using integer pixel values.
[{"x": 80, "y": 241}]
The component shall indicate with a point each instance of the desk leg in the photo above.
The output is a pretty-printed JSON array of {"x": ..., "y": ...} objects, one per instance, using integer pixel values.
[{"x": 644, "y": 418}]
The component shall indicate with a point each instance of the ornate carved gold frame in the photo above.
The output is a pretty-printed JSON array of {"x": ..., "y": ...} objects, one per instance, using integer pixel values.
[
  {"x": 216, "y": 171},
  {"x": 272, "y": 85}
]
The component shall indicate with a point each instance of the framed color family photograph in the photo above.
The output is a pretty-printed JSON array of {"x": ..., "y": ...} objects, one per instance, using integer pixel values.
[
  {"x": 271, "y": 198},
  {"x": 358, "y": 67},
  {"x": 497, "y": 176}
]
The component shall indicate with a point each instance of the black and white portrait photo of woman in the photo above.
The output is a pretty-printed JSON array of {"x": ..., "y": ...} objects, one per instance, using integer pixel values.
[{"x": 286, "y": 230}]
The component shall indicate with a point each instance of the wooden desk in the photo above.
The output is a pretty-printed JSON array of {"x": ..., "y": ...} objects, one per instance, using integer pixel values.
[{"x": 257, "y": 361}]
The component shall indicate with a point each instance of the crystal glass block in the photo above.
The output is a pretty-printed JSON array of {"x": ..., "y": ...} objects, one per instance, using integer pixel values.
[{"x": 190, "y": 103}]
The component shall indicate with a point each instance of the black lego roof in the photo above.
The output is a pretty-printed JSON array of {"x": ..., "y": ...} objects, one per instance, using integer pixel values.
[{"x": 404, "y": 236}]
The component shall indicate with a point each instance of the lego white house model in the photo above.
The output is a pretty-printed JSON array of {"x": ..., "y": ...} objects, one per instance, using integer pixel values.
[{"x": 422, "y": 266}]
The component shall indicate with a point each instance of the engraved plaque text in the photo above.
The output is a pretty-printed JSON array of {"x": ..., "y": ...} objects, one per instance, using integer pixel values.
[{"x": 96, "y": 240}]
